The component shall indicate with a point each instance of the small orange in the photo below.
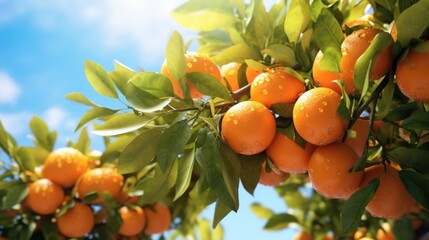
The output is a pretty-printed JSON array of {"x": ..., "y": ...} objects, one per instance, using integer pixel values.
[
  {"x": 391, "y": 200},
  {"x": 251, "y": 74},
  {"x": 315, "y": 116},
  {"x": 133, "y": 221},
  {"x": 64, "y": 166},
  {"x": 329, "y": 171},
  {"x": 100, "y": 180},
  {"x": 195, "y": 62},
  {"x": 44, "y": 196},
  {"x": 158, "y": 219},
  {"x": 303, "y": 235},
  {"x": 77, "y": 221},
  {"x": 358, "y": 143},
  {"x": 248, "y": 127},
  {"x": 288, "y": 156},
  {"x": 353, "y": 46},
  {"x": 412, "y": 75},
  {"x": 326, "y": 78},
  {"x": 230, "y": 73},
  {"x": 276, "y": 86},
  {"x": 273, "y": 178},
  {"x": 385, "y": 234}
]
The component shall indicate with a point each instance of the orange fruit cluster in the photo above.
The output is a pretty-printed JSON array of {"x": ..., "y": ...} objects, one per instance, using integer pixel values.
[{"x": 62, "y": 193}]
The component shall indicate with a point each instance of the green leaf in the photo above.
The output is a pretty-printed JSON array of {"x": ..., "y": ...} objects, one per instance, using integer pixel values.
[
  {"x": 175, "y": 56},
  {"x": 412, "y": 22},
  {"x": 417, "y": 186},
  {"x": 41, "y": 133},
  {"x": 171, "y": 144},
  {"x": 281, "y": 53},
  {"x": 283, "y": 109},
  {"x": 122, "y": 68},
  {"x": 99, "y": 79},
  {"x": 139, "y": 152},
  {"x": 83, "y": 142},
  {"x": 155, "y": 84},
  {"x": 208, "y": 85},
  {"x": 94, "y": 114},
  {"x": 385, "y": 102},
  {"x": 15, "y": 194},
  {"x": 279, "y": 221},
  {"x": 417, "y": 121},
  {"x": 355, "y": 206},
  {"x": 200, "y": 17},
  {"x": 331, "y": 60},
  {"x": 297, "y": 18},
  {"x": 258, "y": 28},
  {"x": 25, "y": 159},
  {"x": 7, "y": 142},
  {"x": 204, "y": 229},
  {"x": 343, "y": 111},
  {"x": 230, "y": 165},
  {"x": 80, "y": 98},
  {"x": 221, "y": 210},
  {"x": 251, "y": 170},
  {"x": 403, "y": 111},
  {"x": 120, "y": 79},
  {"x": 236, "y": 53},
  {"x": 403, "y": 229},
  {"x": 50, "y": 231},
  {"x": 144, "y": 101},
  {"x": 328, "y": 33},
  {"x": 186, "y": 166},
  {"x": 261, "y": 211},
  {"x": 122, "y": 123},
  {"x": 363, "y": 64},
  {"x": 411, "y": 157},
  {"x": 388, "y": 4}
]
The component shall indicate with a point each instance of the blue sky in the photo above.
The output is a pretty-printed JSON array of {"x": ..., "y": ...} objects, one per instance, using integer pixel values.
[{"x": 43, "y": 45}]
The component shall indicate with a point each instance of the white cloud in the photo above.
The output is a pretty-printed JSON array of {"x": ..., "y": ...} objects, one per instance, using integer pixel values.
[
  {"x": 144, "y": 25},
  {"x": 9, "y": 89},
  {"x": 16, "y": 123},
  {"x": 58, "y": 118}
]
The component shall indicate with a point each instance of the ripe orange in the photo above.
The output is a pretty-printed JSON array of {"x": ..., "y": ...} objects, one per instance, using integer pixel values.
[
  {"x": 353, "y": 46},
  {"x": 64, "y": 166},
  {"x": 133, "y": 221},
  {"x": 230, "y": 72},
  {"x": 44, "y": 196},
  {"x": 288, "y": 156},
  {"x": 358, "y": 143},
  {"x": 412, "y": 75},
  {"x": 315, "y": 116},
  {"x": 158, "y": 219},
  {"x": 273, "y": 178},
  {"x": 329, "y": 171},
  {"x": 195, "y": 62},
  {"x": 391, "y": 200},
  {"x": 251, "y": 74},
  {"x": 248, "y": 127},
  {"x": 276, "y": 86},
  {"x": 303, "y": 235},
  {"x": 325, "y": 78},
  {"x": 77, "y": 221},
  {"x": 387, "y": 234},
  {"x": 100, "y": 180}
]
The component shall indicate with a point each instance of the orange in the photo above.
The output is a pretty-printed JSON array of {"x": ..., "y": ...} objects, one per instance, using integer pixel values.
[
  {"x": 248, "y": 127},
  {"x": 412, "y": 75},
  {"x": 64, "y": 166},
  {"x": 273, "y": 178},
  {"x": 288, "y": 156},
  {"x": 77, "y": 221},
  {"x": 358, "y": 143},
  {"x": 391, "y": 200},
  {"x": 230, "y": 73},
  {"x": 100, "y": 180},
  {"x": 158, "y": 218},
  {"x": 251, "y": 74},
  {"x": 387, "y": 234},
  {"x": 393, "y": 31},
  {"x": 315, "y": 116},
  {"x": 303, "y": 235},
  {"x": 353, "y": 46},
  {"x": 276, "y": 86},
  {"x": 195, "y": 62},
  {"x": 133, "y": 221},
  {"x": 44, "y": 196},
  {"x": 325, "y": 78},
  {"x": 329, "y": 171}
]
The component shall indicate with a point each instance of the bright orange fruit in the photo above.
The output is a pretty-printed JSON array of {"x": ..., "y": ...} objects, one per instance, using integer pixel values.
[
  {"x": 77, "y": 221},
  {"x": 158, "y": 219},
  {"x": 44, "y": 196},
  {"x": 273, "y": 178}
]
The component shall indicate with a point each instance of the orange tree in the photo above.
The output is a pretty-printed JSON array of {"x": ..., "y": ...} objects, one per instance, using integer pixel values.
[{"x": 318, "y": 79}]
